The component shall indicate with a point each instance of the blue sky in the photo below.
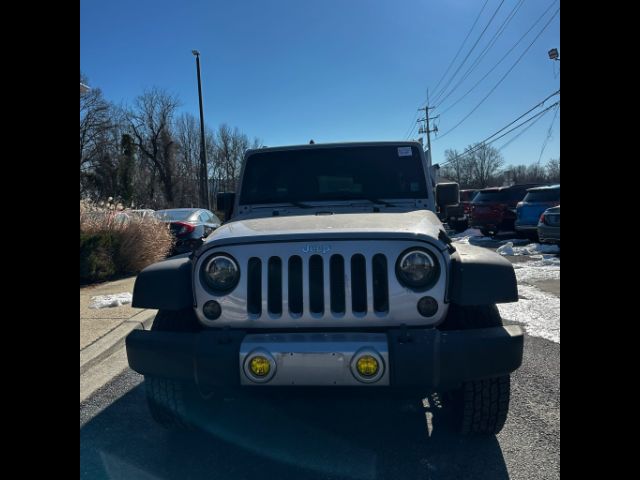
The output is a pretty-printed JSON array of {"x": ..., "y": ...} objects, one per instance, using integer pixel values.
[{"x": 288, "y": 71}]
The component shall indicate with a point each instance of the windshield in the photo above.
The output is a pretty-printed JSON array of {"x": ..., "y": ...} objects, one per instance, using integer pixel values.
[
  {"x": 467, "y": 195},
  {"x": 547, "y": 195},
  {"x": 340, "y": 173},
  {"x": 176, "y": 215}
]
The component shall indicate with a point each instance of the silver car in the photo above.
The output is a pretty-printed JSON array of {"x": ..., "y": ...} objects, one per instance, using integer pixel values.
[{"x": 549, "y": 226}]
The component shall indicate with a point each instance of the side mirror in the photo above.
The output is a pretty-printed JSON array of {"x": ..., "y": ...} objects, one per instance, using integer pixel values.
[
  {"x": 225, "y": 202},
  {"x": 447, "y": 194}
]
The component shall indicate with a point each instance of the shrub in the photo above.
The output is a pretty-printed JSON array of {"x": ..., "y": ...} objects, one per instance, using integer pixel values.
[
  {"x": 113, "y": 244},
  {"x": 96, "y": 256}
]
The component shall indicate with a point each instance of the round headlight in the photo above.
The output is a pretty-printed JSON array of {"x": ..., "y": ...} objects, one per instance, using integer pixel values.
[
  {"x": 417, "y": 269},
  {"x": 221, "y": 273}
]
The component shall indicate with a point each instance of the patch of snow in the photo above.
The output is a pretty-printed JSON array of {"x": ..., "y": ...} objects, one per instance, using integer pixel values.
[
  {"x": 546, "y": 267},
  {"x": 513, "y": 241},
  {"x": 470, "y": 234},
  {"x": 107, "y": 301},
  {"x": 474, "y": 237},
  {"x": 506, "y": 249},
  {"x": 538, "y": 311},
  {"x": 530, "y": 249}
]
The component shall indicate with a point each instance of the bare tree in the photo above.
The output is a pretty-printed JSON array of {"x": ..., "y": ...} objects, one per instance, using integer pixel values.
[
  {"x": 458, "y": 167},
  {"x": 534, "y": 173},
  {"x": 95, "y": 123},
  {"x": 188, "y": 139},
  {"x": 553, "y": 170},
  {"x": 150, "y": 122},
  {"x": 486, "y": 162},
  {"x": 143, "y": 156},
  {"x": 126, "y": 167},
  {"x": 94, "y": 120}
]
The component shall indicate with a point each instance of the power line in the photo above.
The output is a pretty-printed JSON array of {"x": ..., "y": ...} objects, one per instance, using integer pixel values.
[
  {"x": 515, "y": 137},
  {"x": 411, "y": 127},
  {"x": 501, "y": 79},
  {"x": 438, "y": 94},
  {"x": 484, "y": 142},
  {"x": 548, "y": 137},
  {"x": 436, "y": 99},
  {"x": 415, "y": 124},
  {"x": 461, "y": 46},
  {"x": 485, "y": 50},
  {"x": 499, "y": 61},
  {"x": 521, "y": 116}
]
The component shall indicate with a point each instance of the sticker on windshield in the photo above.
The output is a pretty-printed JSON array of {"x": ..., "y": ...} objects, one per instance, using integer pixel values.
[{"x": 404, "y": 151}]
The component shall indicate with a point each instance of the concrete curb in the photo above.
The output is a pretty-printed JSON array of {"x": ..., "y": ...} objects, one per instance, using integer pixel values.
[{"x": 105, "y": 346}]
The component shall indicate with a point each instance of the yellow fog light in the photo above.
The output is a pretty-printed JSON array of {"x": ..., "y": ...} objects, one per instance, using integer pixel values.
[
  {"x": 367, "y": 366},
  {"x": 260, "y": 366}
]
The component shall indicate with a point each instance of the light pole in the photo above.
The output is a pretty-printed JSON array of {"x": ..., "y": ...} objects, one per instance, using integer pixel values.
[
  {"x": 204, "y": 194},
  {"x": 554, "y": 55}
]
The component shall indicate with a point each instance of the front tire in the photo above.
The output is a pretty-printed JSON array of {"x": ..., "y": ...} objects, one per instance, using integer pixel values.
[
  {"x": 479, "y": 406},
  {"x": 170, "y": 401},
  {"x": 167, "y": 403}
]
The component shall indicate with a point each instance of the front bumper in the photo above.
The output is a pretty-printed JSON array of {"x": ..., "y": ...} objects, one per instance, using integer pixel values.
[{"x": 417, "y": 358}]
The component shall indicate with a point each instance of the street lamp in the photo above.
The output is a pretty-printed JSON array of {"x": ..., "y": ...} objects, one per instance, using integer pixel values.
[
  {"x": 204, "y": 194},
  {"x": 554, "y": 55}
]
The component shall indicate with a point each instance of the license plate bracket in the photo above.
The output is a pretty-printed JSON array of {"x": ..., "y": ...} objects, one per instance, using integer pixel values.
[{"x": 314, "y": 359}]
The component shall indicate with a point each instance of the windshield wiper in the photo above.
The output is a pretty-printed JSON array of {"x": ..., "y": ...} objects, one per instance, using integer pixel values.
[
  {"x": 376, "y": 200},
  {"x": 282, "y": 203}
]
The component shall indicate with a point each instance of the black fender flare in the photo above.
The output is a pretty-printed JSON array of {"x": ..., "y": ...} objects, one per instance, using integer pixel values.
[
  {"x": 165, "y": 285},
  {"x": 481, "y": 277}
]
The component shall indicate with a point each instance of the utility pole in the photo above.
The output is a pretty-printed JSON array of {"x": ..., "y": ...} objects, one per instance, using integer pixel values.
[
  {"x": 204, "y": 190},
  {"x": 426, "y": 130}
]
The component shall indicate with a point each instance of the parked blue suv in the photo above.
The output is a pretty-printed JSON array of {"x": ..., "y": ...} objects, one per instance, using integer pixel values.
[{"x": 535, "y": 202}]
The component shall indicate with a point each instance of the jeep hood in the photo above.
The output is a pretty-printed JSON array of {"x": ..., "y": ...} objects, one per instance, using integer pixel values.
[{"x": 417, "y": 223}]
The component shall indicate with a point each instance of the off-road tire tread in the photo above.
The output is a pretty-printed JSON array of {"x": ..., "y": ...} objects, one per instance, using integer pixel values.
[
  {"x": 481, "y": 405},
  {"x": 485, "y": 405},
  {"x": 165, "y": 397},
  {"x": 166, "y": 402}
]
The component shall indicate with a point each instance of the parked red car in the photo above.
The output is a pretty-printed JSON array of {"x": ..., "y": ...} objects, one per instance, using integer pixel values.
[
  {"x": 466, "y": 197},
  {"x": 494, "y": 209}
]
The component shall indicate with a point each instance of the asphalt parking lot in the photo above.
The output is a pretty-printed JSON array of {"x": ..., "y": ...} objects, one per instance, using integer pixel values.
[{"x": 345, "y": 438}]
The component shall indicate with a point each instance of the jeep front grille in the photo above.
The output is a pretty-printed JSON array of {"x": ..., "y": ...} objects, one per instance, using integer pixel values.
[{"x": 317, "y": 284}]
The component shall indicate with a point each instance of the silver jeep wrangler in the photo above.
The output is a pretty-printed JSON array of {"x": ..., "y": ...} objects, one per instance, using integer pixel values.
[{"x": 332, "y": 271}]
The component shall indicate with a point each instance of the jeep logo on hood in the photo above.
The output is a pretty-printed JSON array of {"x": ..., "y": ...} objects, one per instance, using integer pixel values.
[{"x": 322, "y": 249}]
